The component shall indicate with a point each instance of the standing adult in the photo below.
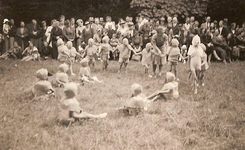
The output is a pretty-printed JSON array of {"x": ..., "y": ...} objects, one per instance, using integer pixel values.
[
  {"x": 12, "y": 33},
  {"x": 22, "y": 36},
  {"x": 56, "y": 33},
  {"x": 6, "y": 29},
  {"x": 69, "y": 32},
  {"x": 159, "y": 42},
  {"x": 79, "y": 31},
  {"x": 87, "y": 33},
  {"x": 34, "y": 34}
]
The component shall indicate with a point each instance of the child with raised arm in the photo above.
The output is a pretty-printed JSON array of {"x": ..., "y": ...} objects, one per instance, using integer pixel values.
[
  {"x": 104, "y": 52},
  {"x": 169, "y": 90},
  {"x": 91, "y": 51},
  {"x": 138, "y": 103},
  {"x": 85, "y": 74},
  {"x": 124, "y": 49},
  {"x": 70, "y": 107}
]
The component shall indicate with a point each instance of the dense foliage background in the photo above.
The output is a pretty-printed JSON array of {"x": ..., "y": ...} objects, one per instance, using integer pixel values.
[{"x": 49, "y": 9}]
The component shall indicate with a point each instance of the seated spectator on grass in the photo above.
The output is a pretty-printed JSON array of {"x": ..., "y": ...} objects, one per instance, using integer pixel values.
[
  {"x": 12, "y": 53},
  {"x": 46, "y": 51},
  {"x": 221, "y": 47},
  {"x": 30, "y": 53}
]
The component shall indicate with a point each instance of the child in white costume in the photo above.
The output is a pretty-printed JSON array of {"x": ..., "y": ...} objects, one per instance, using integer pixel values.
[
  {"x": 85, "y": 74},
  {"x": 169, "y": 90},
  {"x": 70, "y": 107}
]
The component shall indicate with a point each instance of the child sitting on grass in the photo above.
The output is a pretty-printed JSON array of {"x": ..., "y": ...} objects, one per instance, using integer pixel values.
[
  {"x": 91, "y": 51},
  {"x": 12, "y": 53},
  {"x": 124, "y": 55},
  {"x": 61, "y": 77},
  {"x": 173, "y": 56},
  {"x": 169, "y": 90},
  {"x": 104, "y": 52},
  {"x": 70, "y": 107},
  {"x": 84, "y": 73},
  {"x": 136, "y": 104},
  {"x": 31, "y": 53},
  {"x": 42, "y": 87}
]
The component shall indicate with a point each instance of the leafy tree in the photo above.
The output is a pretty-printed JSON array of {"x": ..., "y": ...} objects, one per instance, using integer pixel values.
[
  {"x": 159, "y": 8},
  {"x": 234, "y": 10}
]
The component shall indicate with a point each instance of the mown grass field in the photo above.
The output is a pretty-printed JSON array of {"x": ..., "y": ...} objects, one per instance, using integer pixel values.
[{"x": 212, "y": 119}]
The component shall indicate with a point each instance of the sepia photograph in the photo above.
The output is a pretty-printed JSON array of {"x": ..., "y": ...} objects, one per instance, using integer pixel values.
[{"x": 122, "y": 74}]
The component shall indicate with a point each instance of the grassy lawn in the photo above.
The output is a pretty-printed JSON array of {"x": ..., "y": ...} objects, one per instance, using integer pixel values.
[{"x": 212, "y": 119}]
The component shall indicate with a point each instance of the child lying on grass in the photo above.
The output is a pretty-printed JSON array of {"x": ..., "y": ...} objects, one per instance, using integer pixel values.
[
  {"x": 136, "y": 104},
  {"x": 168, "y": 91},
  {"x": 42, "y": 87},
  {"x": 70, "y": 107},
  {"x": 85, "y": 74}
]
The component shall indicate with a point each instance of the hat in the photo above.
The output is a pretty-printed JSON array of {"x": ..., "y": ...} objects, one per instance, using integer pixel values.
[
  {"x": 60, "y": 42},
  {"x": 91, "y": 41},
  {"x": 101, "y": 19},
  {"x": 43, "y": 21},
  {"x": 69, "y": 43},
  {"x": 5, "y": 20},
  {"x": 122, "y": 22},
  {"x": 84, "y": 62},
  {"x": 96, "y": 20},
  {"x": 175, "y": 42},
  {"x": 86, "y": 23},
  {"x": 203, "y": 47},
  {"x": 184, "y": 47},
  {"x": 170, "y": 77},
  {"x": 42, "y": 74},
  {"x": 196, "y": 40},
  {"x": 79, "y": 20},
  {"x": 162, "y": 19},
  {"x": 130, "y": 24},
  {"x": 71, "y": 89},
  {"x": 105, "y": 39},
  {"x": 63, "y": 67},
  {"x": 175, "y": 19},
  {"x": 91, "y": 19},
  {"x": 148, "y": 46},
  {"x": 136, "y": 89}
]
